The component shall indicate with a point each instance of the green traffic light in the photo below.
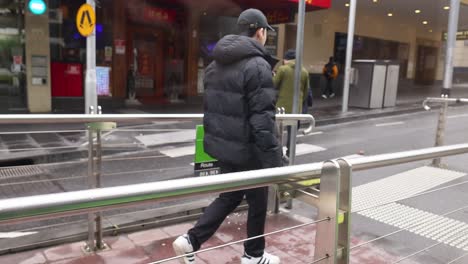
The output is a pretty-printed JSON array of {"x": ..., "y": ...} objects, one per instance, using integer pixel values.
[{"x": 37, "y": 7}]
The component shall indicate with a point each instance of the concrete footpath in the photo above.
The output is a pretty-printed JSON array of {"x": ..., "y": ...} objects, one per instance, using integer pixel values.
[{"x": 296, "y": 246}]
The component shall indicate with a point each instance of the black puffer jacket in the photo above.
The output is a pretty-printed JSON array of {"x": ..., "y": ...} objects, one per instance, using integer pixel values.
[{"x": 240, "y": 105}]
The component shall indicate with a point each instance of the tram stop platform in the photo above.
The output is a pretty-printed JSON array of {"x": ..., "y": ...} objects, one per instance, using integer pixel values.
[{"x": 293, "y": 247}]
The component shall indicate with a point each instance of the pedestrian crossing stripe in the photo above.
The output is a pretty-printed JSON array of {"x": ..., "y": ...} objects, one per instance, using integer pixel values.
[
  {"x": 378, "y": 197},
  {"x": 438, "y": 228},
  {"x": 401, "y": 186}
]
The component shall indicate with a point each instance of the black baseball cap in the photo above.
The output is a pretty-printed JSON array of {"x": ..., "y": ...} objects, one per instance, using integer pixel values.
[
  {"x": 253, "y": 18},
  {"x": 290, "y": 55}
]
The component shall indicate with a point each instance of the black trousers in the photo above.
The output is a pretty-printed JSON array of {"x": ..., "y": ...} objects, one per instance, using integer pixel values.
[
  {"x": 329, "y": 87},
  {"x": 215, "y": 214}
]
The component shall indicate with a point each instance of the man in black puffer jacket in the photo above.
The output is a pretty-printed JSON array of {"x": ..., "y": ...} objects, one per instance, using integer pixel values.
[{"x": 240, "y": 132}]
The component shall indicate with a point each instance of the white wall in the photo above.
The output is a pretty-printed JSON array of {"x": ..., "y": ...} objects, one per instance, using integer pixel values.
[
  {"x": 321, "y": 26},
  {"x": 461, "y": 54}
]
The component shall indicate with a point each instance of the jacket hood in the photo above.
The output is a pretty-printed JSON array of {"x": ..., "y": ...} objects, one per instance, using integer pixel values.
[
  {"x": 233, "y": 48},
  {"x": 291, "y": 63}
]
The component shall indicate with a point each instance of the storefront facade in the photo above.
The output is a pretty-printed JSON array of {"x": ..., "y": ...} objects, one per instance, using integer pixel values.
[{"x": 153, "y": 50}]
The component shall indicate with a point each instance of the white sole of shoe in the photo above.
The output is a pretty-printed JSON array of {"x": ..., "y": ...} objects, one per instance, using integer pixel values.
[{"x": 179, "y": 251}]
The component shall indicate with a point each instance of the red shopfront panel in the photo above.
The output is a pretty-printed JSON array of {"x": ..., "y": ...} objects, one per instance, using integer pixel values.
[{"x": 67, "y": 79}]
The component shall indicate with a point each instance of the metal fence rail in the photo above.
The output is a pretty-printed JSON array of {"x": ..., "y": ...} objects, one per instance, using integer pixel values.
[
  {"x": 371, "y": 162},
  {"x": 91, "y": 118},
  {"x": 87, "y": 201},
  {"x": 96, "y": 123},
  {"x": 333, "y": 233},
  {"x": 444, "y": 100}
]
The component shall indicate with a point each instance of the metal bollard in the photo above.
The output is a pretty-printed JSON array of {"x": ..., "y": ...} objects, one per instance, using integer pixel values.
[
  {"x": 344, "y": 207},
  {"x": 95, "y": 237},
  {"x": 327, "y": 232},
  {"x": 440, "y": 133},
  {"x": 332, "y": 238}
]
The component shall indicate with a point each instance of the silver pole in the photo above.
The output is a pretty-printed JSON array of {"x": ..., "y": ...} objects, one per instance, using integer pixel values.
[
  {"x": 297, "y": 77},
  {"x": 440, "y": 133},
  {"x": 90, "y": 81},
  {"x": 92, "y": 184},
  {"x": 349, "y": 54},
  {"x": 97, "y": 177},
  {"x": 451, "y": 39},
  {"x": 71, "y": 118},
  {"x": 299, "y": 52}
]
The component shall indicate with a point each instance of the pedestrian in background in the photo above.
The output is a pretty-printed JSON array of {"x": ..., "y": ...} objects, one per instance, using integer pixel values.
[
  {"x": 240, "y": 132},
  {"x": 284, "y": 82},
  {"x": 330, "y": 72}
]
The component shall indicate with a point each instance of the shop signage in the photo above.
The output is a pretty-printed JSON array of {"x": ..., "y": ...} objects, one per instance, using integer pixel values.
[
  {"x": 17, "y": 62},
  {"x": 18, "y": 59},
  {"x": 103, "y": 81},
  {"x": 461, "y": 35},
  {"x": 154, "y": 14},
  {"x": 37, "y": 7},
  {"x": 73, "y": 69},
  {"x": 145, "y": 63},
  {"x": 108, "y": 54},
  {"x": 86, "y": 20},
  {"x": 316, "y": 3},
  {"x": 279, "y": 16},
  {"x": 272, "y": 42},
  {"x": 119, "y": 46}
]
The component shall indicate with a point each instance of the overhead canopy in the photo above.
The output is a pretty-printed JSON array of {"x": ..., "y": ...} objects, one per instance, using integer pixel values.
[
  {"x": 235, "y": 6},
  {"x": 278, "y": 4}
]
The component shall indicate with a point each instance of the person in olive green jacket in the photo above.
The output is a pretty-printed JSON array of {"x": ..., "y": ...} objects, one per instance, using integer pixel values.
[{"x": 284, "y": 82}]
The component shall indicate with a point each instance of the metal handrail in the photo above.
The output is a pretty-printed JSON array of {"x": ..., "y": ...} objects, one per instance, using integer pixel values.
[
  {"x": 86, "y": 118},
  {"x": 41, "y": 207},
  {"x": 384, "y": 160},
  {"x": 17, "y": 210},
  {"x": 442, "y": 100}
]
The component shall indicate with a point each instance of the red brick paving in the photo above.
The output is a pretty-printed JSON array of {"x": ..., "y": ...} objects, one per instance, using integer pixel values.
[
  {"x": 28, "y": 257},
  {"x": 294, "y": 247}
]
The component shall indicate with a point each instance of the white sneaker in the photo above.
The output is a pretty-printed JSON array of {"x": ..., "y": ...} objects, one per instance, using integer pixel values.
[
  {"x": 324, "y": 96},
  {"x": 182, "y": 246},
  {"x": 265, "y": 259},
  {"x": 332, "y": 95}
]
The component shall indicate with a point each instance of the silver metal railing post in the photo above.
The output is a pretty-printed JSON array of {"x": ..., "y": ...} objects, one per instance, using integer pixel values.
[
  {"x": 440, "y": 133},
  {"x": 326, "y": 241},
  {"x": 95, "y": 235},
  {"x": 90, "y": 247},
  {"x": 345, "y": 201},
  {"x": 98, "y": 168},
  {"x": 273, "y": 199},
  {"x": 292, "y": 153}
]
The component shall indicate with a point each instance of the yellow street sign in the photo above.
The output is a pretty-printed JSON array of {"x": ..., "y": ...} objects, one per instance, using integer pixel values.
[{"x": 85, "y": 20}]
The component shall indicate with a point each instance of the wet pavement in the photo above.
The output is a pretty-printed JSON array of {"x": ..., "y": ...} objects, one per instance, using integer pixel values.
[{"x": 296, "y": 246}]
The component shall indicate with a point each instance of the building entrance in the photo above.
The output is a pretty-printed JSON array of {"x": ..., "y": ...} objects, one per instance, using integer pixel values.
[{"x": 146, "y": 59}]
